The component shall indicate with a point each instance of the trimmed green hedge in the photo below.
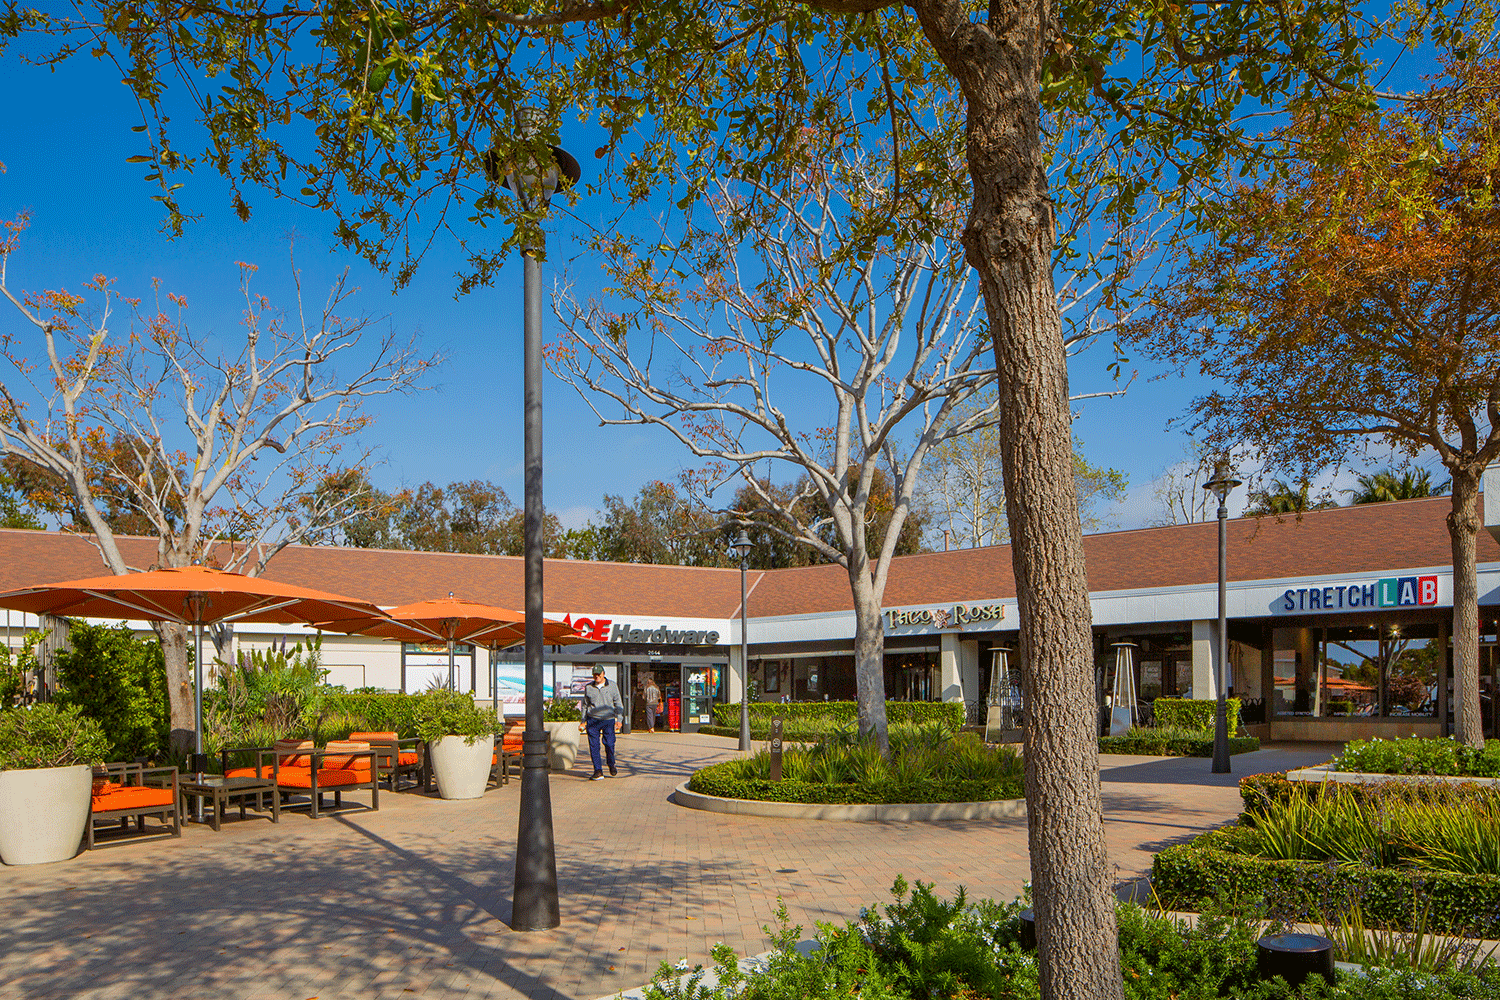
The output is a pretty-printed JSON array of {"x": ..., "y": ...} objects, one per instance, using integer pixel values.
[
  {"x": 382, "y": 712},
  {"x": 1257, "y": 788},
  {"x": 1172, "y": 743},
  {"x": 1193, "y": 713},
  {"x": 1192, "y": 876},
  {"x": 712, "y": 781},
  {"x": 1421, "y": 755},
  {"x": 842, "y": 714}
]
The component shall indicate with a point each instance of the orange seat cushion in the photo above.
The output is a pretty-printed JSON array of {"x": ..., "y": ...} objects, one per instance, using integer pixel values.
[
  {"x": 327, "y": 777},
  {"x": 373, "y": 737},
  {"x": 249, "y": 772},
  {"x": 407, "y": 759},
  {"x": 133, "y": 797}
]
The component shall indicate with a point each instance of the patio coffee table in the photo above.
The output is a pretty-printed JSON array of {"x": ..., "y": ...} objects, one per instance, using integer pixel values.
[{"x": 220, "y": 790}]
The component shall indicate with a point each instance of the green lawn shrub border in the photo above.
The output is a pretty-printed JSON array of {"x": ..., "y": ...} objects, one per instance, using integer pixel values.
[
  {"x": 1207, "y": 871},
  {"x": 1193, "y": 713},
  {"x": 1172, "y": 743},
  {"x": 1256, "y": 789},
  {"x": 842, "y": 714},
  {"x": 1420, "y": 755},
  {"x": 713, "y": 780}
]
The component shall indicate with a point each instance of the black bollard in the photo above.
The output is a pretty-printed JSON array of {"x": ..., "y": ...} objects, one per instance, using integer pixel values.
[
  {"x": 1028, "y": 930},
  {"x": 1294, "y": 957}
]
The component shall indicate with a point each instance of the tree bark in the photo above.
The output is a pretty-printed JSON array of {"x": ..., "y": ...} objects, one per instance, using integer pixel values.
[
  {"x": 1009, "y": 242},
  {"x": 869, "y": 658},
  {"x": 1464, "y": 522},
  {"x": 174, "y": 651}
]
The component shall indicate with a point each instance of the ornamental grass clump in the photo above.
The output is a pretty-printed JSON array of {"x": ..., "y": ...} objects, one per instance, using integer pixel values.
[{"x": 1432, "y": 828}]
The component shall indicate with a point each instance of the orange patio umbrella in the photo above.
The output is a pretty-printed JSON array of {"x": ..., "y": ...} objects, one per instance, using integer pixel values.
[
  {"x": 452, "y": 620},
  {"x": 190, "y": 595}
]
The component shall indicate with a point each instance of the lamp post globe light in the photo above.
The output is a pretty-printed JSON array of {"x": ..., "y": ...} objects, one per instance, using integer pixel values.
[
  {"x": 534, "y": 903},
  {"x": 741, "y": 547},
  {"x": 1220, "y": 485}
]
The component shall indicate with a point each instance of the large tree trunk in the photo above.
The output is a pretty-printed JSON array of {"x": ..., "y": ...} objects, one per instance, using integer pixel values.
[
  {"x": 1009, "y": 242},
  {"x": 869, "y": 658},
  {"x": 1463, "y": 528},
  {"x": 174, "y": 651}
]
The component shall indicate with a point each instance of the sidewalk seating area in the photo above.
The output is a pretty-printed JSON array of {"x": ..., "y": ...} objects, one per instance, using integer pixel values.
[{"x": 297, "y": 766}]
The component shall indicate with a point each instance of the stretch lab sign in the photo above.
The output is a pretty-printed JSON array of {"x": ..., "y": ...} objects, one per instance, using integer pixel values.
[{"x": 1391, "y": 592}]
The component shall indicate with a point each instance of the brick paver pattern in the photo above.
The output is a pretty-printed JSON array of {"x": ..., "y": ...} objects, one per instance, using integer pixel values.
[{"x": 414, "y": 900}]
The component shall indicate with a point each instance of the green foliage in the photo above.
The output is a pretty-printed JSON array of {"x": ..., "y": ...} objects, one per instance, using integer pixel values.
[
  {"x": 1418, "y": 949},
  {"x": 1163, "y": 742},
  {"x": 15, "y": 668},
  {"x": 828, "y": 716},
  {"x": 119, "y": 681},
  {"x": 266, "y": 695},
  {"x": 385, "y": 711},
  {"x": 562, "y": 710},
  {"x": 930, "y": 767},
  {"x": 1194, "y": 713},
  {"x": 1418, "y": 755},
  {"x": 923, "y": 947},
  {"x": 453, "y": 713},
  {"x": 49, "y": 735}
]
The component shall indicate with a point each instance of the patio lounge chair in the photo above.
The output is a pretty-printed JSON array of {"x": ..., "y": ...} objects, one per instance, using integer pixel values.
[
  {"x": 127, "y": 791},
  {"x": 395, "y": 757},
  {"x": 297, "y": 767}
]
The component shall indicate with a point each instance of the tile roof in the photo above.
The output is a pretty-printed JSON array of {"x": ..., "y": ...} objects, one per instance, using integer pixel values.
[{"x": 1375, "y": 538}]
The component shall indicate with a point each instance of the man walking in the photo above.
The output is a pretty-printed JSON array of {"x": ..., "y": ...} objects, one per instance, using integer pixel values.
[
  {"x": 651, "y": 695},
  {"x": 601, "y": 707}
]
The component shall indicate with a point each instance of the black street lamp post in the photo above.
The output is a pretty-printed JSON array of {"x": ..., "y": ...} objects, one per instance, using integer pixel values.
[
  {"x": 534, "y": 903},
  {"x": 741, "y": 548},
  {"x": 1219, "y": 486}
]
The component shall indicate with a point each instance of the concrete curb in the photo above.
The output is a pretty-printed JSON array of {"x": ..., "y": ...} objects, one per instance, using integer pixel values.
[
  {"x": 898, "y": 812},
  {"x": 1325, "y": 772}
]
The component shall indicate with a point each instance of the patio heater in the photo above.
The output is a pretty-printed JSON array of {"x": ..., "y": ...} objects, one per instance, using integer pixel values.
[
  {"x": 1219, "y": 486},
  {"x": 741, "y": 547},
  {"x": 533, "y": 181},
  {"x": 1122, "y": 695}
]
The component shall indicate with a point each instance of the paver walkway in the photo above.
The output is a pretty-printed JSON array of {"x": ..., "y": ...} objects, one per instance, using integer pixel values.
[{"x": 413, "y": 901}]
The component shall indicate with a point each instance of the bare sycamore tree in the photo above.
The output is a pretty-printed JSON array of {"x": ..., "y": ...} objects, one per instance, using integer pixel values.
[
  {"x": 796, "y": 297},
  {"x": 151, "y": 428},
  {"x": 1178, "y": 490}
]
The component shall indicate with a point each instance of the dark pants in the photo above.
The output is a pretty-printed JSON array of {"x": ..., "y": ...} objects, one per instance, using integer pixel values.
[
  {"x": 651, "y": 714},
  {"x": 601, "y": 729}
]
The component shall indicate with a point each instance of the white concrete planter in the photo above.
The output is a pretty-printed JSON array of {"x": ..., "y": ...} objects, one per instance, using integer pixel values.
[
  {"x": 42, "y": 812},
  {"x": 1325, "y": 772},
  {"x": 462, "y": 769},
  {"x": 562, "y": 744}
]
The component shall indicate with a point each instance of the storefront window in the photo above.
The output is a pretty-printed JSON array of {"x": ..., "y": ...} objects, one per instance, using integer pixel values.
[{"x": 1368, "y": 671}]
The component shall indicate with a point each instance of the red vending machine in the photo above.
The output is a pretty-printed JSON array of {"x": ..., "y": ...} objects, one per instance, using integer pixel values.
[{"x": 674, "y": 714}]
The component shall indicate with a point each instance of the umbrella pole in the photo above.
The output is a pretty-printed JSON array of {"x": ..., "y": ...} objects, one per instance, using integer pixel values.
[
  {"x": 198, "y": 709},
  {"x": 452, "y": 683},
  {"x": 494, "y": 682}
]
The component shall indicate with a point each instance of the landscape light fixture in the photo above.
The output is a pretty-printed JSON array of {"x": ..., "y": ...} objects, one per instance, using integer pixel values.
[
  {"x": 741, "y": 548},
  {"x": 1220, "y": 485},
  {"x": 534, "y": 180}
]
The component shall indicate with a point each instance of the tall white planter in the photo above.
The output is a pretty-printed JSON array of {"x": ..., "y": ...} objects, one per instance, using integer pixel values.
[
  {"x": 42, "y": 812},
  {"x": 462, "y": 769},
  {"x": 562, "y": 744}
]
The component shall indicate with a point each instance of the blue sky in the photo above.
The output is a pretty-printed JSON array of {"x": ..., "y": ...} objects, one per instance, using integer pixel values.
[{"x": 64, "y": 150}]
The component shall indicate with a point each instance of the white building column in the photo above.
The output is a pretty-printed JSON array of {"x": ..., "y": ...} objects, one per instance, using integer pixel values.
[
  {"x": 734, "y": 674},
  {"x": 950, "y": 679},
  {"x": 1206, "y": 659},
  {"x": 968, "y": 668}
]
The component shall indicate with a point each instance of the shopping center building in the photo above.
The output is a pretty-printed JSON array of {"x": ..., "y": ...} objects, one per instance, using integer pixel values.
[{"x": 1338, "y": 620}]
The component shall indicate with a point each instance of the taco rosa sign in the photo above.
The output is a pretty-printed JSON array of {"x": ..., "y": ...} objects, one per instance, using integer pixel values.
[{"x": 948, "y": 616}]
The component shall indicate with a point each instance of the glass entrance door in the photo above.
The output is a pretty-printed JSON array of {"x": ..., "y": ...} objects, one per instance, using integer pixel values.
[{"x": 700, "y": 686}]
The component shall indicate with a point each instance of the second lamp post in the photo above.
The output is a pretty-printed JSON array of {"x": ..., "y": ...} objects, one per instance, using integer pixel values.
[
  {"x": 1219, "y": 486},
  {"x": 741, "y": 547}
]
